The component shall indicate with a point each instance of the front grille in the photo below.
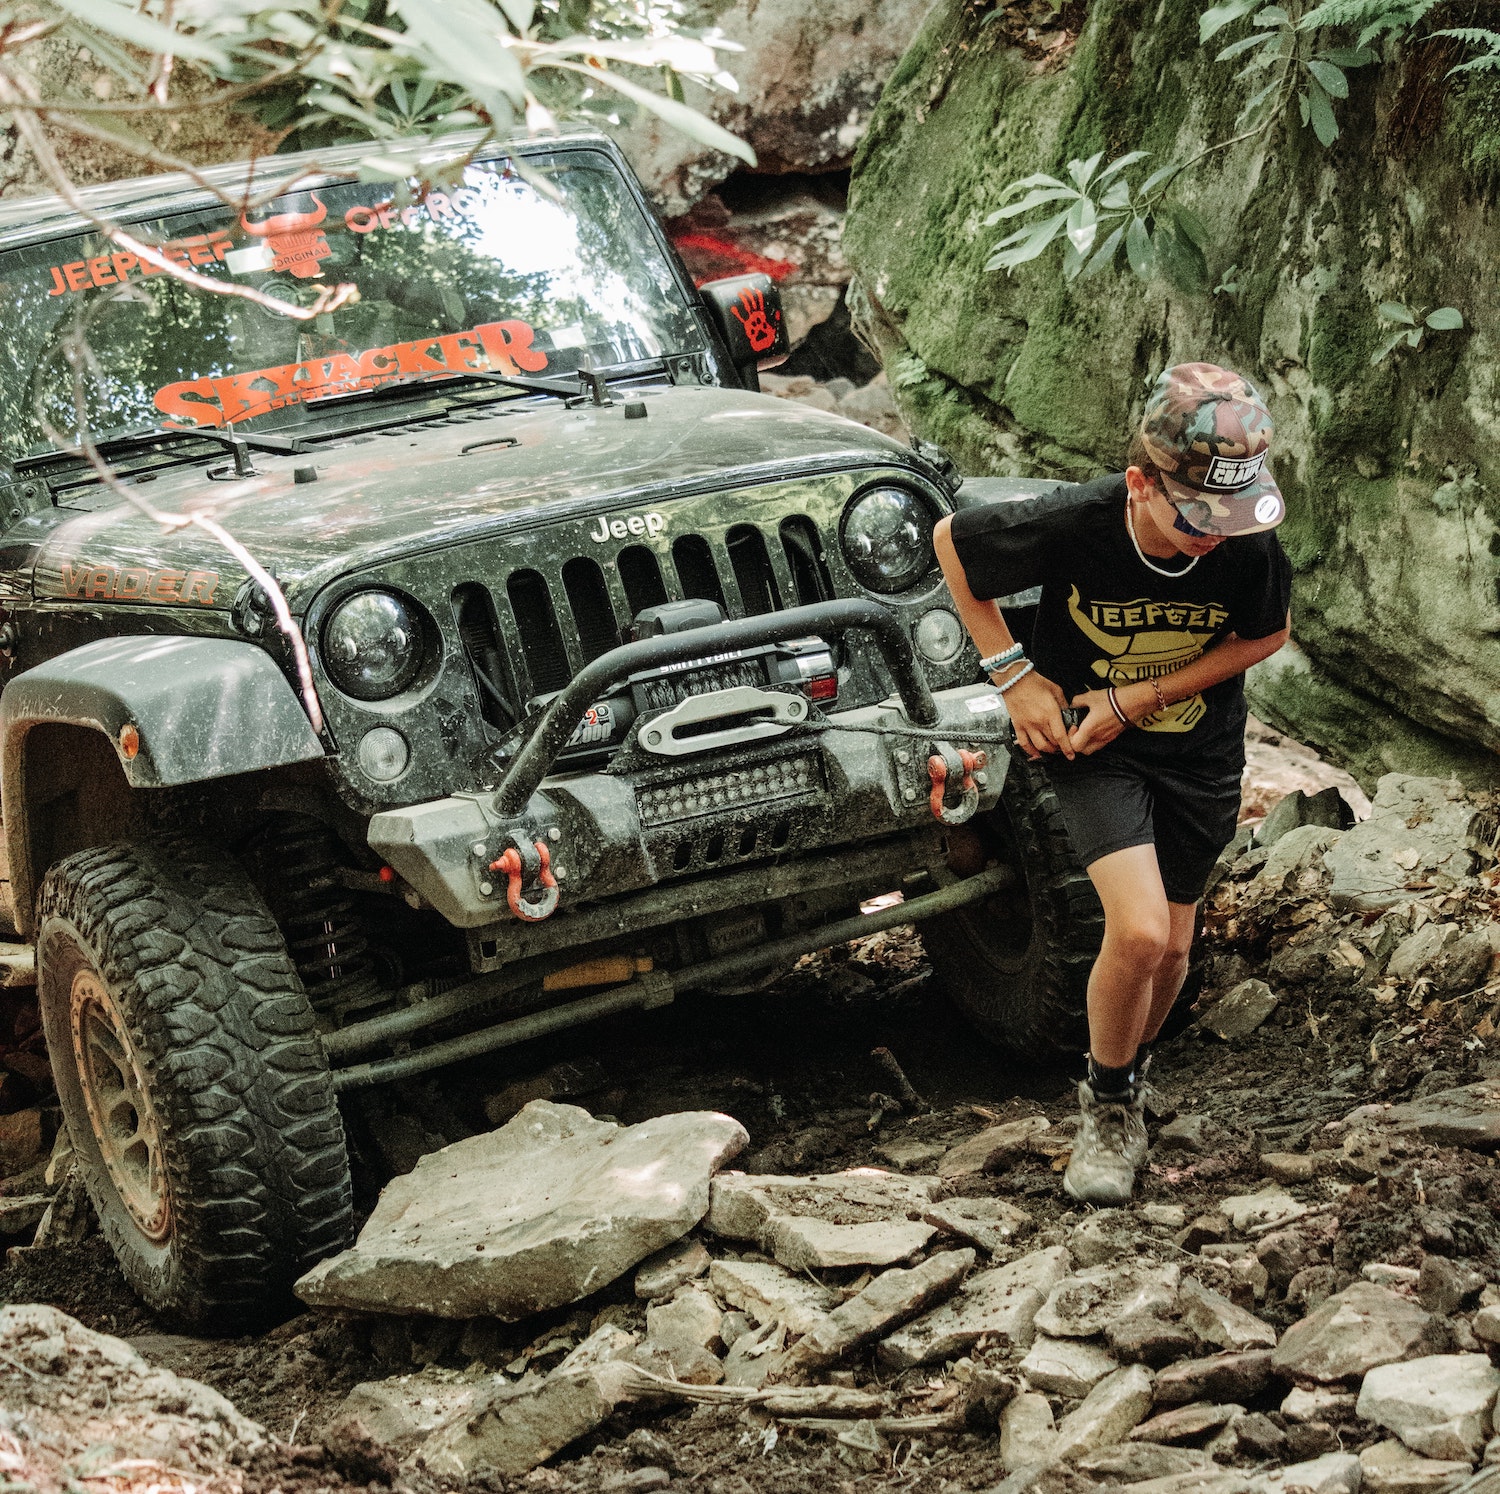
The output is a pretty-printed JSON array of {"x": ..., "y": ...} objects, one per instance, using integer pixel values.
[{"x": 564, "y": 617}]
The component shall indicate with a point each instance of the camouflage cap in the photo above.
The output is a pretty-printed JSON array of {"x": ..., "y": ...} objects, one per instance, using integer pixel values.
[{"x": 1209, "y": 433}]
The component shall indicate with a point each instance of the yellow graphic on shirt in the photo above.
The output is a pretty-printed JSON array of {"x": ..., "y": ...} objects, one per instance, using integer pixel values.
[{"x": 1145, "y": 652}]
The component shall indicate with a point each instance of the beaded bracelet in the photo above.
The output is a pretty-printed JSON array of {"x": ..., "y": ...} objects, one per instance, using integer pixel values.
[
  {"x": 1020, "y": 674},
  {"x": 999, "y": 661},
  {"x": 1114, "y": 705}
]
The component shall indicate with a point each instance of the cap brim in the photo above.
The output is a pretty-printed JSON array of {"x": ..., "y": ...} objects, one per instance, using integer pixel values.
[{"x": 1252, "y": 510}]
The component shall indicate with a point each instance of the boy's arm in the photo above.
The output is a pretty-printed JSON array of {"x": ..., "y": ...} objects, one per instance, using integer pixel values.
[
  {"x": 1223, "y": 661},
  {"x": 1035, "y": 703}
]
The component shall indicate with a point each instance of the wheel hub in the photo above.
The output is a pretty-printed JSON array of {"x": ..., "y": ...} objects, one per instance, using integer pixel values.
[{"x": 119, "y": 1105}]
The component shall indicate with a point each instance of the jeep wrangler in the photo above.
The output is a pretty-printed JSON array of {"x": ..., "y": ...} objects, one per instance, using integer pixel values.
[{"x": 620, "y": 679}]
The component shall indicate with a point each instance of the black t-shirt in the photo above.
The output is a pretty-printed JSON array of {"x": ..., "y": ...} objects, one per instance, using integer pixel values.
[{"x": 1106, "y": 618}]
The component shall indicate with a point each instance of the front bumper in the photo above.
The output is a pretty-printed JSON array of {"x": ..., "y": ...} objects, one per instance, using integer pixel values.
[{"x": 844, "y": 780}]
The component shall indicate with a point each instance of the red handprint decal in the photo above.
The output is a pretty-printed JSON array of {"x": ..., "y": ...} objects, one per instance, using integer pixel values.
[{"x": 759, "y": 331}]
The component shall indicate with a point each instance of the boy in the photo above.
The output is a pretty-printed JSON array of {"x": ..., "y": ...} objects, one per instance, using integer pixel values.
[{"x": 1160, "y": 587}]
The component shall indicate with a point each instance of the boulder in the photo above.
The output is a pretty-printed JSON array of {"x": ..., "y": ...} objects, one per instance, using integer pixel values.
[
  {"x": 1391, "y": 1467},
  {"x": 1028, "y": 1438},
  {"x": 992, "y": 1149},
  {"x": 1216, "y": 1320},
  {"x": 893, "y": 1298},
  {"x": 1468, "y": 1116},
  {"x": 21, "y": 1141},
  {"x": 1219, "y": 1377},
  {"x": 863, "y": 1217},
  {"x": 399, "y": 1414},
  {"x": 1444, "y": 1286},
  {"x": 1327, "y": 808},
  {"x": 808, "y": 82},
  {"x": 1300, "y": 855},
  {"x": 1486, "y": 1324},
  {"x": 684, "y": 1337},
  {"x": 1416, "y": 954},
  {"x": 772, "y": 1294},
  {"x": 1238, "y": 1013},
  {"x": 1439, "y": 1405},
  {"x": 1267, "y": 1210},
  {"x": 1134, "y": 1461},
  {"x": 540, "y": 1213},
  {"x": 1066, "y": 1366},
  {"x": 1355, "y": 1331},
  {"x": 1195, "y": 1423},
  {"x": 1087, "y": 1302},
  {"x": 993, "y": 1224},
  {"x": 1108, "y": 1413},
  {"x": 514, "y": 1428},
  {"x": 1333, "y": 1473},
  {"x": 1321, "y": 1404},
  {"x": 661, "y": 1274},
  {"x": 1001, "y": 1303},
  {"x": 1418, "y": 828},
  {"x": 1147, "y": 1339}
]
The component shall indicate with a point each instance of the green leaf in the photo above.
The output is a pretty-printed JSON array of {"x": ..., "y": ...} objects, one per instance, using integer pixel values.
[
  {"x": 1027, "y": 244},
  {"x": 1255, "y": 100},
  {"x": 1333, "y": 80},
  {"x": 1272, "y": 15},
  {"x": 1082, "y": 225},
  {"x": 1119, "y": 164},
  {"x": 1038, "y": 179},
  {"x": 1192, "y": 226},
  {"x": 1320, "y": 113},
  {"x": 463, "y": 38},
  {"x": 1302, "y": 105},
  {"x": 1384, "y": 350},
  {"x": 1104, "y": 255},
  {"x": 1217, "y": 17},
  {"x": 680, "y": 116},
  {"x": 519, "y": 13},
  {"x": 1157, "y": 177},
  {"x": 1138, "y": 248},
  {"x": 1396, "y": 311},
  {"x": 1082, "y": 171},
  {"x": 1268, "y": 57},
  {"x": 1117, "y": 198},
  {"x": 129, "y": 25},
  {"x": 1348, "y": 56},
  {"x": 1029, "y": 201},
  {"x": 1255, "y": 39},
  {"x": 1414, "y": 339},
  {"x": 1445, "y": 319},
  {"x": 1180, "y": 259}
]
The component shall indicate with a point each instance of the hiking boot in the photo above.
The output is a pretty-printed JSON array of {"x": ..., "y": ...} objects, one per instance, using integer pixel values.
[
  {"x": 1111, "y": 1144},
  {"x": 1154, "y": 1104}
]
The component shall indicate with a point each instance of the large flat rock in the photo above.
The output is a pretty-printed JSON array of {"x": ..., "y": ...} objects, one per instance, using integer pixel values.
[
  {"x": 1468, "y": 1116},
  {"x": 542, "y": 1212},
  {"x": 1087, "y": 1302},
  {"x": 1354, "y": 1331},
  {"x": 1439, "y": 1406}
]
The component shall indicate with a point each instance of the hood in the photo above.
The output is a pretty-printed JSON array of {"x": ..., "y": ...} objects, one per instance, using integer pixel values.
[{"x": 420, "y": 486}]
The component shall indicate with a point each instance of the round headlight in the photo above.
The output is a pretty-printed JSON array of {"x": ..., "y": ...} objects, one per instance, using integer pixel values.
[
  {"x": 383, "y": 754},
  {"x": 939, "y": 636},
  {"x": 887, "y": 539},
  {"x": 372, "y": 645}
]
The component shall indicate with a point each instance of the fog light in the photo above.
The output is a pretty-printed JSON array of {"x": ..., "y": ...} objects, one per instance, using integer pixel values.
[
  {"x": 940, "y": 635},
  {"x": 383, "y": 754}
]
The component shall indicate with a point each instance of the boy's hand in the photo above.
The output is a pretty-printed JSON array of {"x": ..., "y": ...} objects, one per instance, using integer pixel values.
[
  {"x": 1036, "y": 705},
  {"x": 1100, "y": 726}
]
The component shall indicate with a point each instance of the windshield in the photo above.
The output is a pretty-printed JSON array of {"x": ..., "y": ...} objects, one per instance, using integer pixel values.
[{"x": 497, "y": 273}]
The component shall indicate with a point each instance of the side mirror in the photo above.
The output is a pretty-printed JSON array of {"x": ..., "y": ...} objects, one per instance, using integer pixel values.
[{"x": 747, "y": 311}]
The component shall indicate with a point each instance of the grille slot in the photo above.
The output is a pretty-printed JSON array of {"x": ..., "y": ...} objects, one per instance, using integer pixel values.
[
  {"x": 640, "y": 575},
  {"x": 479, "y": 632},
  {"x": 541, "y": 638},
  {"x": 696, "y": 572},
  {"x": 803, "y": 547},
  {"x": 752, "y": 570},
  {"x": 593, "y": 615}
]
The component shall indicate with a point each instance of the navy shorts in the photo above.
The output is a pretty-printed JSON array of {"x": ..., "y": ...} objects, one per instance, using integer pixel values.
[{"x": 1186, "y": 808}]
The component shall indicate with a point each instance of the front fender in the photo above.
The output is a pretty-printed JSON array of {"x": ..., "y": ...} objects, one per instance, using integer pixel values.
[
  {"x": 201, "y": 708},
  {"x": 197, "y": 708}
]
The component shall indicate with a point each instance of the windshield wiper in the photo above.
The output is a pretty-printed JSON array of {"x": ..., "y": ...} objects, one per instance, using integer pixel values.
[{"x": 591, "y": 386}]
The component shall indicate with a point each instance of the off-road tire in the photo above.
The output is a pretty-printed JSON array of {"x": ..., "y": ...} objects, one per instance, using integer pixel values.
[
  {"x": 255, "y": 1175},
  {"x": 1017, "y": 965}
]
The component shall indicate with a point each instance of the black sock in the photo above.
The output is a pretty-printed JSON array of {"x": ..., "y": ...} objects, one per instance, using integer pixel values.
[{"x": 1108, "y": 1083}]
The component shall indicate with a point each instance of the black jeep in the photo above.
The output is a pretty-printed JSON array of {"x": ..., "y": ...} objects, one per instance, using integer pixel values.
[{"x": 620, "y": 679}]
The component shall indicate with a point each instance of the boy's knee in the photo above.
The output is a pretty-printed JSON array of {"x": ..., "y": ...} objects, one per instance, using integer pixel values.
[{"x": 1142, "y": 937}]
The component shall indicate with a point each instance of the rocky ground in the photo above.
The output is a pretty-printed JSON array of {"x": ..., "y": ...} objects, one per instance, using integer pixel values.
[{"x": 858, "y": 1269}]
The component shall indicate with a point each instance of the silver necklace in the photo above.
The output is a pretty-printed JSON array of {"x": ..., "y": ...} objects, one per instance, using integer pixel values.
[{"x": 1130, "y": 525}]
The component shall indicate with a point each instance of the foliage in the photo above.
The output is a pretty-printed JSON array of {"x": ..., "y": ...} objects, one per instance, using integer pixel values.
[
  {"x": 1293, "y": 64},
  {"x": 1411, "y": 326}
]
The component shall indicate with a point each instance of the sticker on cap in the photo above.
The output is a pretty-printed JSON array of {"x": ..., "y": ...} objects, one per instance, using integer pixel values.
[
  {"x": 1268, "y": 509},
  {"x": 1229, "y": 474}
]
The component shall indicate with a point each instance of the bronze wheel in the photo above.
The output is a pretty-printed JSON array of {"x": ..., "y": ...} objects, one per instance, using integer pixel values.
[{"x": 118, "y": 1101}]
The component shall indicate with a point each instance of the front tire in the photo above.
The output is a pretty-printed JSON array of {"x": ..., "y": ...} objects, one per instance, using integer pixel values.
[
  {"x": 1017, "y": 965},
  {"x": 193, "y": 1083}
]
